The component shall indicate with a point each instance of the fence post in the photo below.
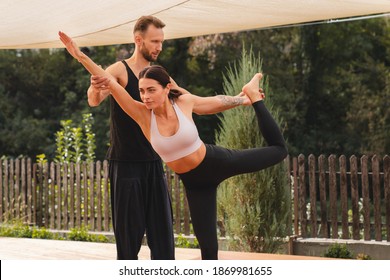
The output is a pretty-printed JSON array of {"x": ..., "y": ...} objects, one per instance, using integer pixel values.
[
  {"x": 78, "y": 195},
  {"x": 39, "y": 192},
  {"x": 24, "y": 190},
  {"x": 46, "y": 192},
  {"x": 52, "y": 195},
  {"x": 99, "y": 196},
  {"x": 366, "y": 198},
  {"x": 355, "y": 198},
  {"x": 72, "y": 195},
  {"x": 313, "y": 195},
  {"x": 17, "y": 188},
  {"x": 85, "y": 185},
  {"x": 386, "y": 181},
  {"x": 11, "y": 189},
  {"x": 302, "y": 195},
  {"x": 66, "y": 195},
  {"x": 344, "y": 197},
  {"x": 287, "y": 163},
  {"x": 322, "y": 185},
  {"x": 92, "y": 197},
  {"x": 34, "y": 193},
  {"x": 59, "y": 196},
  {"x": 377, "y": 198},
  {"x": 296, "y": 196},
  {"x": 333, "y": 195},
  {"x": 106, "y": 197}
]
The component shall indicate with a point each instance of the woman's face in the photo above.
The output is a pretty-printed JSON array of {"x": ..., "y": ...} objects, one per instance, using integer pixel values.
[{"x": 153, "y": 95}]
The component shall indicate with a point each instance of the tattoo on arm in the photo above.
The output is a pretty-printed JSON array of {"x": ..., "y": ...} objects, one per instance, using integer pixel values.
[{"x": 230, "y": 100}]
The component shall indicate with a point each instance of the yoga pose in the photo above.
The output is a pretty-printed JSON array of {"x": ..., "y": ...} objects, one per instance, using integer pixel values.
[{"x": 166, "y": 121}]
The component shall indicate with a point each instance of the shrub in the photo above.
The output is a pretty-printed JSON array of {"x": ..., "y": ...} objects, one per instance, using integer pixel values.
[
  {"x": 79, "y": 234},
  {"x": 99, "y": 238},
  {"x": 362, "y": 256},
  {"x": 42, "y": 233},
  {"x": 339, "y": 251},
  {"x": 183, "y": 242},
  {"x": 15, "y": 229}
]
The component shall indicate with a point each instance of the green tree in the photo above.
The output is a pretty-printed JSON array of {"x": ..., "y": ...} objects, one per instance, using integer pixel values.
[
  {"x": 345, "y": 89},
  {"x": 253, "y": 208},
  {"x": 38, "y": 88}
]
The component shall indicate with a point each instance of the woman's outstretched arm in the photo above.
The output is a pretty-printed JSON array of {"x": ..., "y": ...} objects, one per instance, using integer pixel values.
[
  {"x": 136, "y": 110},
  {"x": 216, "y": 104}
]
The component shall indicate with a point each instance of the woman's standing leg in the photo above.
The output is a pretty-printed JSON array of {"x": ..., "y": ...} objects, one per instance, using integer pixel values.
[{"x": 203, "y": 209}]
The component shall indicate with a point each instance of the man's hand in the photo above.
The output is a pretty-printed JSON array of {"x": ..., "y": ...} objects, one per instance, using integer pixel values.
[
  {"x": 100, "y": 83},
  {"x": 175, "y": 86}
]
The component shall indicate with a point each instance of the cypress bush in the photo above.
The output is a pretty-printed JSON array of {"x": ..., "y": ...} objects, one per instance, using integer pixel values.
[{"x": 253, "y": 208}]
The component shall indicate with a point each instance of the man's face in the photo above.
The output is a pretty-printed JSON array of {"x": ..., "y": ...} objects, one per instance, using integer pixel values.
[{"x": 151, "y": 43}]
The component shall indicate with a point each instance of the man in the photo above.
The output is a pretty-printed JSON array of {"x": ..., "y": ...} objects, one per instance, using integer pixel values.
[{"x": 139, "y": 196}]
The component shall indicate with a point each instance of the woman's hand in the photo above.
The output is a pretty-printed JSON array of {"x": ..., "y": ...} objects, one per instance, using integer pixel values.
[{"x": 71, "y": 46}]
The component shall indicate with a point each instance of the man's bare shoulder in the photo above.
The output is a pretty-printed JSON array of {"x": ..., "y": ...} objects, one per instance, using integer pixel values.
[{"x": 116, "y": 69}]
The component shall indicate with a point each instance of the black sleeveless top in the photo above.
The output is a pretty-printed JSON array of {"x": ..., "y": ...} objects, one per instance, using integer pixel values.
[{"x": 127, "y": 141}]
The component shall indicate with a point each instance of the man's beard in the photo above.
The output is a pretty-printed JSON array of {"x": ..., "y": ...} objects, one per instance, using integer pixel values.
[{"x": 147, "y": 55}]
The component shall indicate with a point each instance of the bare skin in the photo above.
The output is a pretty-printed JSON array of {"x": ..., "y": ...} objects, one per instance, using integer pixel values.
[{"x": 155, "y": 97}]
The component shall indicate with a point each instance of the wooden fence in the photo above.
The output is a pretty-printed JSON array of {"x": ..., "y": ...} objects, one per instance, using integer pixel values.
[
  {"x": 65, "y": 196},
  {"x": 341, "y": 198},
  {"x": 332, "y": 197}
]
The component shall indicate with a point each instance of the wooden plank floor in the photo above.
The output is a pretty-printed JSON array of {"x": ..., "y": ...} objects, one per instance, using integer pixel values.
[{"x": 40, "y": 249}]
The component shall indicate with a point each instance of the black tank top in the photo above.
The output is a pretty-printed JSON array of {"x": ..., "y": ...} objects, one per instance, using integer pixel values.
[{"x": 127, "y": 141}]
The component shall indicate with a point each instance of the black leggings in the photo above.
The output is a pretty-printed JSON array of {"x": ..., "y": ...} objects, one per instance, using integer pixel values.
[{"x": 219, "y": 164}]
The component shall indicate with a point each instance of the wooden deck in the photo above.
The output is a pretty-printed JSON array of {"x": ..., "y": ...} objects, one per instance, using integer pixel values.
[{"x": 40, "y": 249}]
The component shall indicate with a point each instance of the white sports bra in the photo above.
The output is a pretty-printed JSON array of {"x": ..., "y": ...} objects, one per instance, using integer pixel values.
[{"x": 184, "y": 142}]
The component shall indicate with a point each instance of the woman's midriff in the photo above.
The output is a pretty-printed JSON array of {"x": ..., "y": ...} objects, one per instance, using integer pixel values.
[{"x": 189, "y": 162}]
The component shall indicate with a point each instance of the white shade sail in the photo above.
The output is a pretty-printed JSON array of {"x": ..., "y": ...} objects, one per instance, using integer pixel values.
[{"x": 26, "y": 24}]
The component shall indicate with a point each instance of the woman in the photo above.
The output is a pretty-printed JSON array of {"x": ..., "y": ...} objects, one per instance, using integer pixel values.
[{"x": 166, "y": 120}]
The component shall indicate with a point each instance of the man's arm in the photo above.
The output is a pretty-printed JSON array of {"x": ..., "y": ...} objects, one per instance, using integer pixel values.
[
  {"x": 96, "y": 94},
  {"x": 99, "y": 88}
]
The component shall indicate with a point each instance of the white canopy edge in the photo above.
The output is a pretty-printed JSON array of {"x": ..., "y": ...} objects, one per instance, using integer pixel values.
[{"x": 27, "y": 24}]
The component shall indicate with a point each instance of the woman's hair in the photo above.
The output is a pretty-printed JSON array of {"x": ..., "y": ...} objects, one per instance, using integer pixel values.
[{"x": 159, "y": 74}]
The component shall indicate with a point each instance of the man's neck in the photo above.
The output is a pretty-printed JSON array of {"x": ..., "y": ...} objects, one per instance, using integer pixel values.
[{"x": 137, "y": 63}]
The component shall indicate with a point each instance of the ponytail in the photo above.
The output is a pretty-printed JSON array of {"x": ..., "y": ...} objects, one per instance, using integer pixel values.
[{"x": 174, "y": 94}]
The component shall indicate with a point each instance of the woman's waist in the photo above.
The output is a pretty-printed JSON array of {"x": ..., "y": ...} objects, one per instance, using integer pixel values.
[{"x": 188, "y": 162}]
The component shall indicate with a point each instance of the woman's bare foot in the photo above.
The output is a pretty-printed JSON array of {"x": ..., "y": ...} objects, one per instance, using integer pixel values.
[{"x": 252, "y": 89}]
